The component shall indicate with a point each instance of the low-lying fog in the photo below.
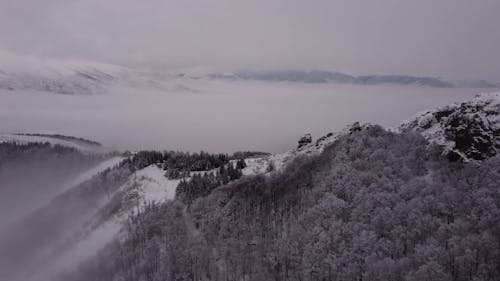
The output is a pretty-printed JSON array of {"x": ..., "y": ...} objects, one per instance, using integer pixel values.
[{"x": 216, "y": 116}]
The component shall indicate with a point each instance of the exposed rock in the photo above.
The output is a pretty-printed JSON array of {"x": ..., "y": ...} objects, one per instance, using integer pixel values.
[
  {"x": 305, "y": 140},
  {"x": 466, "y": 131}
]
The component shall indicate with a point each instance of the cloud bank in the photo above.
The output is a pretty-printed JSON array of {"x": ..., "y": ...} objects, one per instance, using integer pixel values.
[{"x": 450, "y": 38}]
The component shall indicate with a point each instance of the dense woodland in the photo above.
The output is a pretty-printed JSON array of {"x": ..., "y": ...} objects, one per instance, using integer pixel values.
[
  {"x": 22, "y": 153},
  {"x": 375, "y": 205},
  {"x": 180, "y": 160},
  {"x": 180, "y": 164},
  {"x": 200, "y": 185},
  {"x": 65, "y": 138}
]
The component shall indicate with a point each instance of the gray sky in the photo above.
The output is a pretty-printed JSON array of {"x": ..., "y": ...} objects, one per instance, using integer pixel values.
[{"x": 449, "y": 38}]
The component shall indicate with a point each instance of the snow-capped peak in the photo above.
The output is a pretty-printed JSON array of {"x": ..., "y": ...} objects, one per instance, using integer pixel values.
[{"x": 467, "y": 131}]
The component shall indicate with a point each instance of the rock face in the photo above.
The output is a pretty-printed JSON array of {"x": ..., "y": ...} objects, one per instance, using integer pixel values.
[
  {"x": 467, "y": 131},
  {"x": 305, "y": 140}
]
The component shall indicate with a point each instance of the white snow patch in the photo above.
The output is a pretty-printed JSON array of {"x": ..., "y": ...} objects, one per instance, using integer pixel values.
[{"x": 153, "y": 185}]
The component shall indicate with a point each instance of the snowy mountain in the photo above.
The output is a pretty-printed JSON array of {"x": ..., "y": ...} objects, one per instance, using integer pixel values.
[
  {"x": 94, "y": 208},
  {"x": 78, "y": 77},
  {"x": 24, "y": 73},
  {"x": 378, "y": 180},
  {"x": 62, "y": 77},
  {"x": 467, "y": 131}
]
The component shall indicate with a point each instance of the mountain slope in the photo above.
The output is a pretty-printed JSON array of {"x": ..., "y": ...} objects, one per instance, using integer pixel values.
[
  {"x": 364, "y": 203},
  {"x": 85, "y": 217},
  {"x": 31, "y": 73},
  {"x": 374, "y": 205},
  {"x": 329, "y": 209},
  {"x": 107, "y": 221}
]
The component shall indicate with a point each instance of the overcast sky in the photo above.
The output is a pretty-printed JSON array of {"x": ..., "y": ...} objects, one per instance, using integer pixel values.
[{"x": 448, "y": 38}]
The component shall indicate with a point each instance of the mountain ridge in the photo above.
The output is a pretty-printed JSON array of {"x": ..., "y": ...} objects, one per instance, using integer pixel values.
[{"x": 324, "y": 76}]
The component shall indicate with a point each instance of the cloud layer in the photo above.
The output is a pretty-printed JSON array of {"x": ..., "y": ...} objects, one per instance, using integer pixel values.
[{"x": 451, "y": 38}]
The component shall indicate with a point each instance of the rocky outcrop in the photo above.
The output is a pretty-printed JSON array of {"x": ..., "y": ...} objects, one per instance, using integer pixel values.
[
  {"x": 304, "y": 140},
  {"x": 466, "y": 131}
]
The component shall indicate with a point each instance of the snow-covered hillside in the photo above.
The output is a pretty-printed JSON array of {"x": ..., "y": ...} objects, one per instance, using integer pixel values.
[
  {"x": 63, "y": 77},
  {"x": 23, "y": 73},
  {"x": 467, "y": 131}
]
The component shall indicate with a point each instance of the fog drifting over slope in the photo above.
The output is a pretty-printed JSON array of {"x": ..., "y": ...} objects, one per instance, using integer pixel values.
[{"x": 217, "y": 116}]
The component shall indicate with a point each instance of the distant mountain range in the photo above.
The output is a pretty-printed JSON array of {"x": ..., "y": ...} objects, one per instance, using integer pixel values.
[
  {"x": 321, "y": 76},
  {"x": 77, "y": 77}
]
